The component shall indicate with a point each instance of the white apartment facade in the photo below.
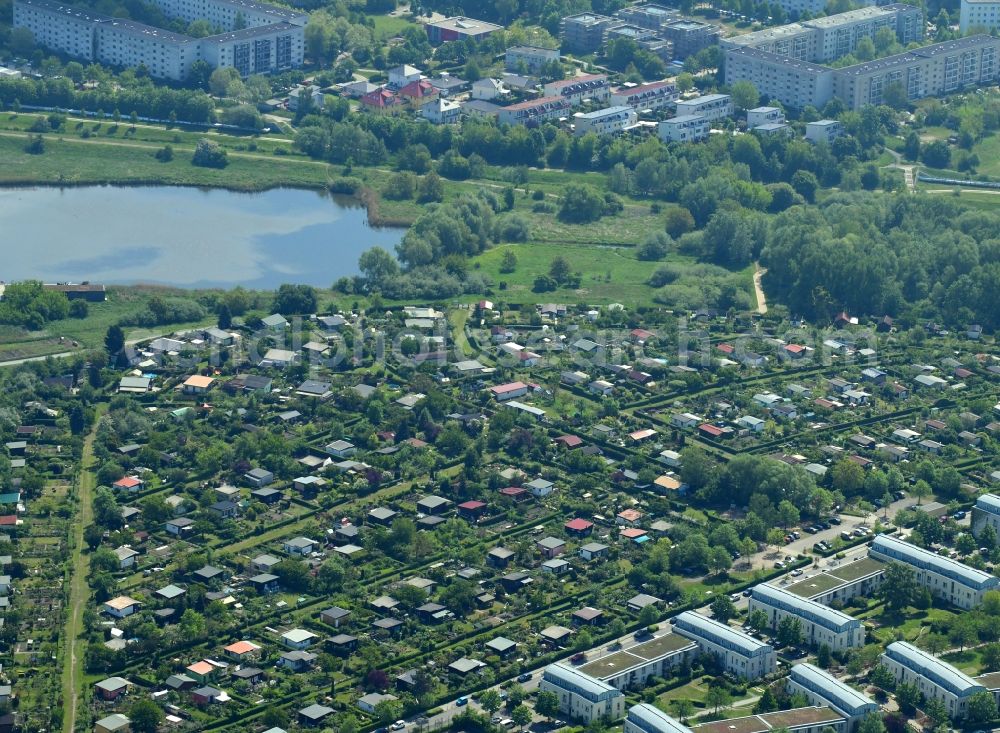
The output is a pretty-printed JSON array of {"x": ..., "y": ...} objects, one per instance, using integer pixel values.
[
  {"x": 824, "y": 131},
  {"x": 258, "y": 50},
  {"x": 593, "y": 87},
  {"x": 936, "y": 680},
  {"x": 653, "y": 96},
  {"x": 954, "y": 582},
  {"x": 737, "y": 652},
  {"x": 580, "y": 696},
  {"x": 822, "y": 688},
  {"x": 710, "y": 106},
  {"x": 684, "y": 129},
  {"x": 609, "y": 121},
  {"x": 764, "y": 116},
  {"x": 820, "y": 624},
  {"x": 529, "y": 58},
  {"x": 986, "y": 513},
  {"x": 646, "y": 718},
  {"x": 981, "y": 15}
]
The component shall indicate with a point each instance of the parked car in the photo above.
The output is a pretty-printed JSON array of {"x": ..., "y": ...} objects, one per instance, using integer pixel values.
[
  {"x": 834, "y": 520},
  {"x": 959, "y": 515},
  {"x": 779, "y": 565},
  {"x": 797, "y": 572},
  {"x": 796, "y": 535},
  {"x": 527, "y": 675},
  {"x": 747, "y": 593},
  {"x": 462, "y": 701},
  {"x": 398, "y": 725}
]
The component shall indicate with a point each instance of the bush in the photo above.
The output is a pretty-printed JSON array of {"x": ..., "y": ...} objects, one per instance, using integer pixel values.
[
  {"x": 656, "y": 247},
  {"x": 208, "y": 154},
  {"x": 165, "y": 154},
  {"x": 583, "y": 204},
  {"x": 514, "y": 228},
  {"x": 35, "y": 146},
  {"x": 401, "y": 187}
]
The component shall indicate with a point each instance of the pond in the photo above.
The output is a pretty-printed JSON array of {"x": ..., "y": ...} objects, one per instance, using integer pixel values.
[{"x": 183, "y": 237}]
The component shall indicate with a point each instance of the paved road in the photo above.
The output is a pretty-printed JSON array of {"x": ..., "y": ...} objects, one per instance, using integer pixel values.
[{"x": 15, "y": 362}]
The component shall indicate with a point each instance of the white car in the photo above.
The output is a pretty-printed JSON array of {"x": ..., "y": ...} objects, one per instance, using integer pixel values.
[{"x": 398, "y": 725}]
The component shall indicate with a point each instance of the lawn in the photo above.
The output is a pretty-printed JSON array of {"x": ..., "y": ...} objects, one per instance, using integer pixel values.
[{"x": 387, "y": 26}]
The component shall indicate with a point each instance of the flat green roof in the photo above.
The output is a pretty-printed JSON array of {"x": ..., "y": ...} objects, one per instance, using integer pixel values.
[
  {"x": 857, "y": 569},
  {"x": 661, "y": 645},
  {"x": 820, "y": 583},
  {"x": 612, "y": 664}
]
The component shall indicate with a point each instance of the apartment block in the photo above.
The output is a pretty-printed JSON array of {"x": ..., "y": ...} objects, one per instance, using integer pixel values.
[
  {"x": 580, "y": 695},
  {"x": 737, "y": 652},
  {"x": 609, "y": 121},
  {"x": 631, "y": 668},
  {"x": 979, "y": 15},
  {"x": 652, "y": 41},
  {"x": 792, "y": 82},
  {"x": 822, "y": 688},
  {"x": 529, "y": 58},
  {"x": 648, "y": 15},
  {"x": 954, "y": 582},
  {"x": 459, "y": 29},
  {"x": 824, "y": 131},
  {"x": 584, "y": 32},
  {"x": 646, "y": 718},
  {"x": 764, "y": 116},
  {"x": 653, "y": 96},
  {"x": 820, "y": 624},
  {"x": 534, "y": 111},
  {"x": 709, "y": 106},
  {"x": 258, "y": 48},
  {"x": 796, "y": 8},
  {"x": 685, "y": 128},
  {"x": 592, "y": 87},
  {"x": 689, "y": 36},
  {"x": 230, "y": 14},
  {"x": 936, "y": 679},
  {"x": 986, "y": 513}
]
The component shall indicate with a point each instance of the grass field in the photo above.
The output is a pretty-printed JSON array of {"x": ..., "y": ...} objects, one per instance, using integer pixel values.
[{"x": 610, "y": 274}]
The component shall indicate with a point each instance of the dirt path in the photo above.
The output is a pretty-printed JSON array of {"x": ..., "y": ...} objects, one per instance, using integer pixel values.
[
  {"x": 758, "y": 272},
  {"x": 79, "y": 591}
]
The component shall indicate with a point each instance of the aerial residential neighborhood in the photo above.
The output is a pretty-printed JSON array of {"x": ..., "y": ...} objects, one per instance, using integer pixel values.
[{"x": 578, "y": 366}]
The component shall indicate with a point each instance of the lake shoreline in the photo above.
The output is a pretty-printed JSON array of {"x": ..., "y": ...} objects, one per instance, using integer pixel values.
[
  {"x": 152, "y": 234},
  {"x": 366, "y": 197}
]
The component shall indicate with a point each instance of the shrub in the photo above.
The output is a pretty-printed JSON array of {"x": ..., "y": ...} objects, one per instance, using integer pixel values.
[{"x": 208, "y": 154}]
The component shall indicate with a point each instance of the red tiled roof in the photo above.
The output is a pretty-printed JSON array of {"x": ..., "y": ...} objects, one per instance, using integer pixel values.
[{"x": 578, "y": 525}]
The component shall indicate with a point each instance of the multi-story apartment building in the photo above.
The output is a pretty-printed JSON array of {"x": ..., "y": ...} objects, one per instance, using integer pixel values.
[
  {"x": 737, "y": 652},
  {"x": 689, "y": 36},
  {"x": 653, "y": 96},
  {"x": 684, "y": 129},
  {"x": 933, "y": 70},
  {"x": 459, "y": 29},
  {"x": 230, "y": 14},
  {"x": 167, "y": 55},
  {"x": 534, "y": 111},
  {"x": 608, "y": 121},
  {"x": 796, "y": 720},
  {"x": 646, "y": 718},
  {"x": 952, "y": 581},
  {"x": 258, "y": 48},
  {"x": 936, "y": 679},
  {"x": 584, "y": 32},
  {"x": 648, "y": 15},
  {"x": 792, "y": 82},
  {"x": 826, "y": 39},
  {"x": 822, "y": 688},
  {"x": 652, "y": 41},
  {"x": 593, "y": 87},
  {"x": 631, "y": 668},
  {"x": 862, "y": 577},
  {"x": 764, "y": 116},
  {"x": 820, "y": 624},
  {"x": 796, "y": 8},
  {"x": 986, "y": 513},
  {"x": 709, "y": 106},
  {"x": 580, "y": 695},
  {"x": 824, "y": 131},
  {"x": 979, "y": 15},
  {"x": 529, "y": 59},
  {"x": 60, "y": 27}
]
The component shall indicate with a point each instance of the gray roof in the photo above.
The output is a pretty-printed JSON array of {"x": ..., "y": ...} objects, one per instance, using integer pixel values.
[
  {"x": 989, "y": 503},
  {"x": 695, "y": 626},
  {"x": 939, "y": 672},
  {"x": 574, "y": 680},
  {"x": 825, "y": 616},
  {"x": 838, "y": 694},
  {"x": 894, "y": 549},
  {"x": 653, "y": 720}
]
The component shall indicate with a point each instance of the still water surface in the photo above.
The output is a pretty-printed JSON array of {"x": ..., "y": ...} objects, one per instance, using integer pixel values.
[{"x": 185, "y": 237}]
